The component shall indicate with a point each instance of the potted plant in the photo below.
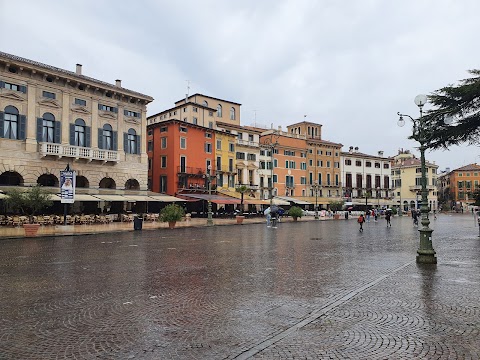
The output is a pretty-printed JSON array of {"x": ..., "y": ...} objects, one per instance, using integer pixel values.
[
  {"x": 29, "y": 203},
  {"x": 171, "y": 214},
  {"x": 336, "y": 206},
  {"x": 242, "y": 189},
  {"x": 295, "y": 212}
]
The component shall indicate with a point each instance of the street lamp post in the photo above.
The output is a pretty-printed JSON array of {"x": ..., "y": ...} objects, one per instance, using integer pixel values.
[
  {"x": 425, "y": 252},
  {"x": 209, "y": 203},
  {"x": 316, "y": 186}
]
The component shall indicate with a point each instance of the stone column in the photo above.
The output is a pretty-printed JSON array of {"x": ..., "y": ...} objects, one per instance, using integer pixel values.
[
  {"x": 95, "y": 123},
  {"x": 31, "y": 136},
  {"x": 66, "y": 118}
]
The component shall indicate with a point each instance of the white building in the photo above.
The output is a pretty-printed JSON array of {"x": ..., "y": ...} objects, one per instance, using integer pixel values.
[{"x": 365, "y": 178}]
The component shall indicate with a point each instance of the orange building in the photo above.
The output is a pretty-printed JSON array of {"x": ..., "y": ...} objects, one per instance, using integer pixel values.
[
  {"x": 179, "y": 154},
  {"x": 289, "y": 163},
  {"x": 323, "y": 163},
  {"x": 464, "y": 182}
]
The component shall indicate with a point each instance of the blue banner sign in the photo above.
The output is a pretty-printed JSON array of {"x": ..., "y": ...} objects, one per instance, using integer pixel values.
[{"x": 67, "y": 187}]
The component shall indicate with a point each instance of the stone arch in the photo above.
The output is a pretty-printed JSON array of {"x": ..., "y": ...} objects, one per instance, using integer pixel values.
[
  {"x": 47, "y": 180},
  {"x": 11, "y": 178},
  {"x": 132, "y": 184},
  {"x": 107, "y": 183},
  {"x": 81, "y": 182}
]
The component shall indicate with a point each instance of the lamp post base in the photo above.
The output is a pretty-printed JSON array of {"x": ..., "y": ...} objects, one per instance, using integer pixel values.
[
  {"x": 426, "y": 257},
  {"x": 209, "y": 222},
  {"x": 426, "y": 253}
]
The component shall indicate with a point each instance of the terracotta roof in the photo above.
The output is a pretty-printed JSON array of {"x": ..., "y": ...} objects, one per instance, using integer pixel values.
[
  {"x": 411, "y": 162},
  {"x": 304, "y": 122},
  {"x": 238, "y": 127},
  {"x": 469, "y": 167},
  {"x": 73, "y": 74}
]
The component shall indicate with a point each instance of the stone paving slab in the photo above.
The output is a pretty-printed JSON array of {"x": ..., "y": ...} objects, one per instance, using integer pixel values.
[{"x": 307, "y": 290}]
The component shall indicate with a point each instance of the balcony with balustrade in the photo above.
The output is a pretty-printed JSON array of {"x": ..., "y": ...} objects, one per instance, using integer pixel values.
[{"x": 78, "y": 152}]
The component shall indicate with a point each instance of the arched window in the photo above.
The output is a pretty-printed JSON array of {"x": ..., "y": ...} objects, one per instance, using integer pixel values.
[
  {"x": 79, "y": 132},
  {"x": 48, "y": 132},
  {"x": 205, "y": 103},
  {"x": 107, "y": 183},
  {"x": 219, "y": 110},
  {"x": 132, "y": 184},
  {"x": 131, "y": 141},
  {"x": 107, "y": 137},
  {"x": 11, "y": 178},
  {"x": 47, "y": 180},
  {"x": 81, "y": 182},
  {"x": 232, "y": 113},
  {"x": 10, "y": 123}
]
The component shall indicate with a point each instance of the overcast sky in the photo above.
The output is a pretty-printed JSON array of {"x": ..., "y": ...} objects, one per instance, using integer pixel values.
[{"x": 349, "y": 65}]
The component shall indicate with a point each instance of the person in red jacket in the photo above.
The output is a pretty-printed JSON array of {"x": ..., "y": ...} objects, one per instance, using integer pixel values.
[{"x": 361, "y": 220}]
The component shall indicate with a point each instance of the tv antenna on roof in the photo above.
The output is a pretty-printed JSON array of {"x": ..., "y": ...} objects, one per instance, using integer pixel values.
[{"x": 188, "y": 91}]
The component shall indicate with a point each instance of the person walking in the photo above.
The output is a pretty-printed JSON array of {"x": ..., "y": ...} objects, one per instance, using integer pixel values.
[
  {"x": 375, "y": 212},
  {"x": 268, "y": 214},
  {"x": 368, "y": 215},
  {"x": 388, "y": 216},
  {"x": 361, "y": 220},
  {"x": 415, "y": 218}
]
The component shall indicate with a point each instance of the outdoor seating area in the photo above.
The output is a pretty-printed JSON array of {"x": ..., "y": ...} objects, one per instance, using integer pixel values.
[{"x": 82, "y": 219}]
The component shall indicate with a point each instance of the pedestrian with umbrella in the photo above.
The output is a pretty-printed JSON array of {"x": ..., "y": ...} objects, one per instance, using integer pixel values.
[{"x": 268, "y": 214}]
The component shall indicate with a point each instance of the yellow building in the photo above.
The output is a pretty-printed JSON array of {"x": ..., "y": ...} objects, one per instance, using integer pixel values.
[{"x": 407, "y": 182}]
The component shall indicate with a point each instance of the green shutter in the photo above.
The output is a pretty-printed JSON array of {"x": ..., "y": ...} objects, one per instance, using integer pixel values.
[
  {"x": 137, "y": 142},
  {"x": 87, "y": 136},
  {"x": 72, "y": 134},
  {"x": 23, "y": 89},
  {"x": 40, "y": 129},
  {"x": 22, "y": 128},
  {"x": 125, "y": 142},
  {"x": 114, "y": 141},
  {"x": 2, "y": 84},
  {"x": 1, "y": 125},
  {"x": 58, "y": 132},
  {"x": 100, "y": 138}
]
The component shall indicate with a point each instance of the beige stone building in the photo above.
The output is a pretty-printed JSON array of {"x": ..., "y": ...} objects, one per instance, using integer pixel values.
[
  {"x": 50, "y": 117},
  {"x": 407, "y": 182}
]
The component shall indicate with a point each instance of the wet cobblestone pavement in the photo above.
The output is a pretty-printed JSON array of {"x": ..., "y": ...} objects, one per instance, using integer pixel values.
[{"x": 307, "y": 290}]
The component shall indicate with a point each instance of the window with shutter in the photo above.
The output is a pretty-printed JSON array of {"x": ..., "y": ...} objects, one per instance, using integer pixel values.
[
  {"x": 100, "y": 138},
  {"x": 1, "y": 125},
  {"x": 58, "y": 132}
]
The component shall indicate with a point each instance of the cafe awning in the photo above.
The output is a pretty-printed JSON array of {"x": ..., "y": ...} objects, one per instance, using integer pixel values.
[
  {"x": 85, "y": 197},
  {"x": 256, "y": 202},
  {"x": 111, "y": 197},
  {"x": 164, "y": 198},
  {"x": 294, "y": 200},
  {"x": 132, "y": 198},
  {"x": 214, "y": 198}
]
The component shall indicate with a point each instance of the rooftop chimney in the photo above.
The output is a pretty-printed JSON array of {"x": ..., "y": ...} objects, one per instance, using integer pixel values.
[
  {"x": 356, "y": 148},
  {"x": 380, "y": 153},
  {"x": 118, "y": 83},
  {"x": 447, "y": 169},
  {"x": 78, "y": 70}
]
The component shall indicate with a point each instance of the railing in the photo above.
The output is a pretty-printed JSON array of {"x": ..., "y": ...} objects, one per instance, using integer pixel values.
[
  {"x": 191, "y": 170},
  {"x": 225, "y": 169},
  {"x": 249, "y": 186},
  {"x": 247, "y": 142},
  {"x": 78, "y": 152},
  {"x": 419, "y": 187}
]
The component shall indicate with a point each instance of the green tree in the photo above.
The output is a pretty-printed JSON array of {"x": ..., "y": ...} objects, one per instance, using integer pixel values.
[
  {"x": 29, "y": 202},
  {"x": 476, "y": 196},
  {"x": 242, "y": 189},
  {"x": 462, "y": 102},
  {"x": 336, "y": 205}
]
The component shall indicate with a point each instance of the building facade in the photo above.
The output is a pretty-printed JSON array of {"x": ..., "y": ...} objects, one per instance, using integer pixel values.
[
  {"x": 50, "y": 117},
  {"x": 366, "y": 179},
  {"x": 407, "y": 182},
  {"x": 462, "y": 183}
]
